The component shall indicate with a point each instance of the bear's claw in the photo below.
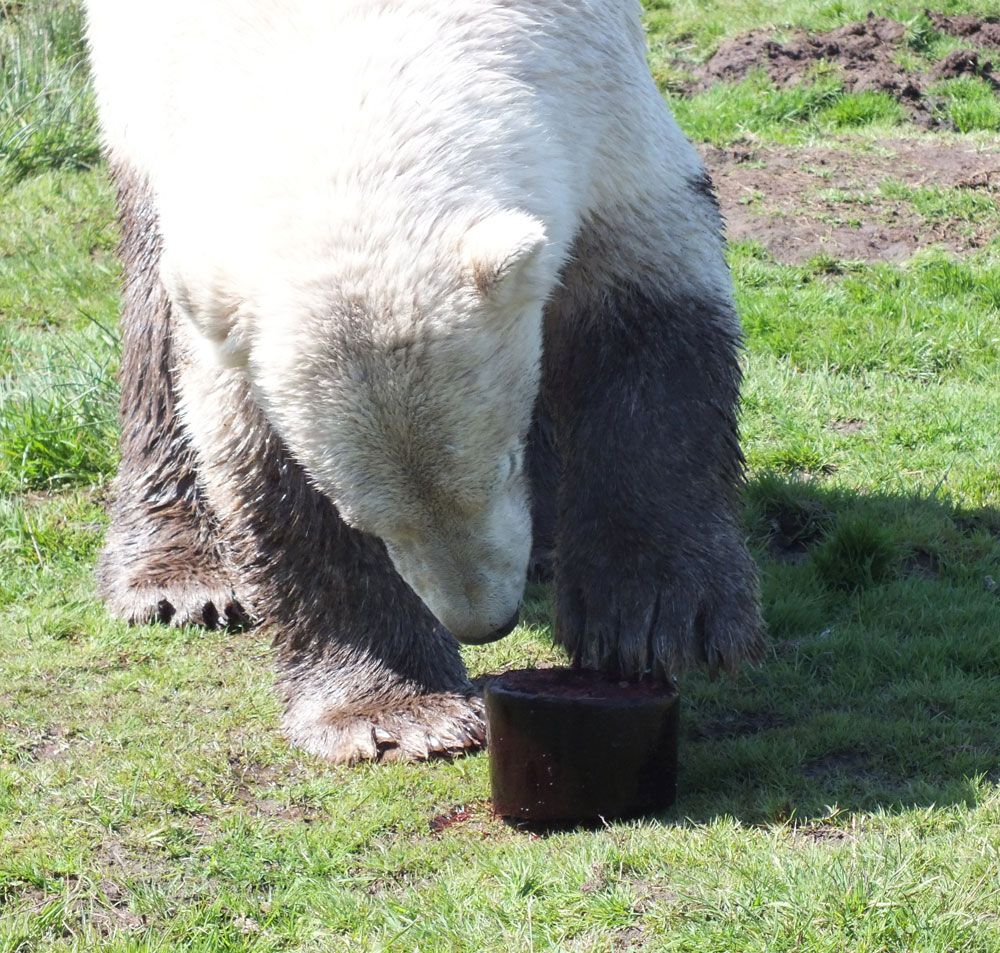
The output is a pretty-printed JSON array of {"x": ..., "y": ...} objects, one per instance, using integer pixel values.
[
  {"x": 425, "y": 726},
  {"x": 663, "y": 624}
]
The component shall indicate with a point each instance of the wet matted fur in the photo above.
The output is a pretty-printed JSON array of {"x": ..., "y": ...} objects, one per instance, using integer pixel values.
[{"x": 163, "y": 559}]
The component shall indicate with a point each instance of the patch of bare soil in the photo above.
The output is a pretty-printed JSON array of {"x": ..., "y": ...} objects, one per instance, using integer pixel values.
[
  {"x": 49, "y": 744},
  {"x": 848, "y": 426},
  {"x": 865, "y": 54},
  {"x": 923, "y": 564},
  {"x": 824, "y": 834},
  {"x": 792, "y": 530},
  {"x": 851, "y": 764},
  {"x": 801, "y": 203},
  {"x": 442, "y": 822},
  {"x": 254, "y": 782}
]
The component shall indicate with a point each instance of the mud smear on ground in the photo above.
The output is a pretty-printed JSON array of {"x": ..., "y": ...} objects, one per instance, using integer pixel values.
[
  {"x": 801, "y": 203},
  {"x": 475, "y": 818},
  {"x": 865, "y": 54}
]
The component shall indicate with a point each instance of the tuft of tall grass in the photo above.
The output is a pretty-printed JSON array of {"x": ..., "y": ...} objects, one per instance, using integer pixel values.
[
  {"x": 47, "y": 112},
  {"x": 58, "y": 413},
  {"x": 969, "y": 104},
  {"x": 858, "y": 553}
]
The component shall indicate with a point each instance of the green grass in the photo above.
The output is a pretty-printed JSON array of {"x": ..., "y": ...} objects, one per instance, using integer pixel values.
[
  {"x": 970, "y": 104},
  {"x": 755, "y": 108},
  {"x": 46, "y": 110},
  {"x": 843, "y": 796},
  {"x": 58, "y": 350},
  {"x": 57, "y": 261},
  {"x": 58, "y": 424}
]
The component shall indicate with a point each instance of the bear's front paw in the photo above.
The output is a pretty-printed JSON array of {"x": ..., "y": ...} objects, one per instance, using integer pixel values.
[
  {"x": 422, "y": 727},
  {"x": 632, "y": 622},
  {"x": 178, "y": 604}
]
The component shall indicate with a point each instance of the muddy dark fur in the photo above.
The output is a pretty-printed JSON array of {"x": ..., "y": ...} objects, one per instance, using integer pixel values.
[
  {"x": 703, "y": 186},
  {"x": 544, "y": 471},
  {"x": 162, "y": 560},
  {"x": 652, "y": 571}
]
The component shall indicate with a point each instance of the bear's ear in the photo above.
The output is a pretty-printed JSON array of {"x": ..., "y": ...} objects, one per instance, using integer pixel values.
[{"x": 499, "y": 254}]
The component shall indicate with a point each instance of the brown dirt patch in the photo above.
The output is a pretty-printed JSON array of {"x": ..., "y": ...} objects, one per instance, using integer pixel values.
[
  {"x": 442, "y": 822},
  {"x": 254, "y": 782},
  {"x": 923, "y": 564},
  {"x": 824, "y": 834},
  {"x": 864, "y": 53},
  {"x": 792, "y": 530},
  {"x": 964, "y": 63},
  {"x": 628, "y": 938},
  {"x": 476, "y": 818},
  {"x": 801, "y": 203},
  {"x": 848, "y": 426},
  {"x": 862, "y": 50},
  {"x": 35, "y": 745}
]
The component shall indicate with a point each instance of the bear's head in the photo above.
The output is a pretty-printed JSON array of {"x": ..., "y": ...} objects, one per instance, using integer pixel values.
[{"x": 405, "y": 387}]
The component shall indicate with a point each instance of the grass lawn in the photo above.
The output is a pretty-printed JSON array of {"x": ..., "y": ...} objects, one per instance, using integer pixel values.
[{"x": 843, "y": 796}]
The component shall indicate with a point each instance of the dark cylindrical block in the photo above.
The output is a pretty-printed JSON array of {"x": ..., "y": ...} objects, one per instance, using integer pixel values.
[{"x": 568, "y": 745}]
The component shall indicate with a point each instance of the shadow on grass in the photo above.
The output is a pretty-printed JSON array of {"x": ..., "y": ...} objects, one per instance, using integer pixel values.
[{"x": 880, "y": 688}]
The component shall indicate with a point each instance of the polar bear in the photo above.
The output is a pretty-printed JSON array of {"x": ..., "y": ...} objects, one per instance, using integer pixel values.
[{"x": 399, "y": 276}]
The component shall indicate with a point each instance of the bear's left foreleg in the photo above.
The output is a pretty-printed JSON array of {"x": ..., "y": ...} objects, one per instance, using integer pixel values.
[{"x": 652, "y": 570}]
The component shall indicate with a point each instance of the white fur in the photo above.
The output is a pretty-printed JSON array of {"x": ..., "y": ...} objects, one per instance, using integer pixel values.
[{"x": 365, "y": 205}]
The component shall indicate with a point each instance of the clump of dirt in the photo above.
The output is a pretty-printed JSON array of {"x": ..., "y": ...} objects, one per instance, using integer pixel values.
[
  {"x": 811, "y": 201},
  {"x": 457, "y": 815},
  {"x": 475, "y": 817},
  {"x": 865, "y": 53},
  {"x": 965, "y": 63},
  {"x": 862, "y": 50},
  {"x": 984, "y": 31}
]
